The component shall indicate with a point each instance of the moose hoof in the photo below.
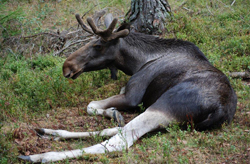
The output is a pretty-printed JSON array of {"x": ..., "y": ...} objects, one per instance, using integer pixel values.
[
  {"x": 40, "y": 131},
  {"x": 26, "y": 158},
  {"x": 118, "y": 118},
  {"x": 42, "y": 134},
  {"x": 113, "y": 113}
]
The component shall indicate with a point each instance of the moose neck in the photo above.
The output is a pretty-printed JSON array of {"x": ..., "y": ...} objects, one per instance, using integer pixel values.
[{"x": 134, "y": 52}]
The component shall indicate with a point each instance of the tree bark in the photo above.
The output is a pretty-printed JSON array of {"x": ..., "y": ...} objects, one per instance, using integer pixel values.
[{"x": 148, "y": 16}]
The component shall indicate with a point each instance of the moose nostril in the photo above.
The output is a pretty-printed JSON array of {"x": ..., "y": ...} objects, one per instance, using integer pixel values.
[{"x": 67, "y": 75}]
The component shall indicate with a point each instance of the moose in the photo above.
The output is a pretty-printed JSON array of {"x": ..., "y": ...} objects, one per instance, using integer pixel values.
[{"x": 172, "y": 78}]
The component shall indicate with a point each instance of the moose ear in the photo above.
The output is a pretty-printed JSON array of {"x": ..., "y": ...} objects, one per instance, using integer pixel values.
[{"x": 124, "y": 26}]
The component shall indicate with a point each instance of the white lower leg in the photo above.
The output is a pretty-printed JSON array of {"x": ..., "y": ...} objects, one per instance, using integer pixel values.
[
  {"x": 95, "y": 108},
  {"x": 142, "y": 124},
  {"x": 63, "y": 134},
  {"x": 146, "y": 122}
]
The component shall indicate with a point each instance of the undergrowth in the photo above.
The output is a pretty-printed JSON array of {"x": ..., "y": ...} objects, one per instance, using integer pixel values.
[{"x": 31, "y": 87}]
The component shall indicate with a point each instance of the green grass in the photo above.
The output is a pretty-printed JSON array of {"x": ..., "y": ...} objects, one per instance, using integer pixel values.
[{"x": 33, "y": 87}]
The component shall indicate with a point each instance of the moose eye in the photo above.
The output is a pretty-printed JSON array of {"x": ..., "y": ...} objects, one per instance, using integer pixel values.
[{"x": 98, "y": 47}]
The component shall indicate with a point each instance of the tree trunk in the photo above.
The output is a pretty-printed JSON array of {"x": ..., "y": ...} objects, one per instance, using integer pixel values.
[{"x": 148, "y": 16}]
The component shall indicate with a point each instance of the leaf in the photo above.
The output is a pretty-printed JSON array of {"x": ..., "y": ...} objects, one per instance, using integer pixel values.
[
  {"x": 33, "y": 133},
  {"x": 18, "y": 141},
  {"x": 27, "y": 153},
  {"x": 182, "y": 141}
]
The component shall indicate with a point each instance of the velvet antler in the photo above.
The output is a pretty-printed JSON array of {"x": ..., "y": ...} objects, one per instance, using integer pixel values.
[
  {"x": 108, "y": 34},
  {"x": 108, "y": 19},
  {"x": 84, "y": 27},
  {"x": 97, "y": 16}
]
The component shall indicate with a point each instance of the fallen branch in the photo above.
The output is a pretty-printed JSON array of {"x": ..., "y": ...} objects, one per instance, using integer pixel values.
[
  {"x": 243, "y": 75},
  {"x": 67, "y": 46},
  {"x": 31, "y": 36},
  {"x": 49, "y": 41},
  {"x": 42, "y": 33}
]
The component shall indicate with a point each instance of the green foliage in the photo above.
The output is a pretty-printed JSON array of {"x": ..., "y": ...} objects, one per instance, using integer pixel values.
[
  {"x": 42, "y": 62},
  {"x": 142, "y": 108},
  {"x": 10, "y": 20},
  {"x": 44, "y": 11},
  {"x": 6, "y": 148},
  {"x": 31, "y": 87},
  {"x": 220, "y": 31}
]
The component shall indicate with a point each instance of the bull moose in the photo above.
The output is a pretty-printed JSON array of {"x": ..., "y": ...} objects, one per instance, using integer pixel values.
[{"x": 172, "y": 78}]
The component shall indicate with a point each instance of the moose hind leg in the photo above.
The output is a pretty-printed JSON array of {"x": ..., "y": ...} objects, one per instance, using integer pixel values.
[{"x": 148, "y": 121}]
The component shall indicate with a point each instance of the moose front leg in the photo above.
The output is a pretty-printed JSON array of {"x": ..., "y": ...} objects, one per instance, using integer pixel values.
[{"x": 108, "y": 108}]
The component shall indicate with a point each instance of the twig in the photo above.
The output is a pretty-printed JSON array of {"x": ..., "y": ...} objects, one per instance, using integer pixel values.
[
  {"x": 225, "y": 5},
  {"x": 186, "y": 8},
  {"x": 31, "y": 36},
  {"x": 183, "y": 3},
  {"x": 209, "y": 10},
  {"x": 89, "y": 10},
  {"x": 5, "y": 29},
  {"x": 42, "y": 33},
  {"x": 33, "y": 45},
  {"x": 10, "y": 50},
  {"x": 233, "y": 3},
  {"x": 74, "y": 32},
  {"x": 63, "y": 49}
]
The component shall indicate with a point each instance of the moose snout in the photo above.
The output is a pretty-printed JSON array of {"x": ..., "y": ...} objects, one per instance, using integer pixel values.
[
  {"x": 67, "y": 73},
  {"x": 66, "y": 69},
  {"x": 71, "y": 69}
]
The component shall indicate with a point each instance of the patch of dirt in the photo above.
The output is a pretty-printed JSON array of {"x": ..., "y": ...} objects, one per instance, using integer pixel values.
[
  {"x": 239, "y": 158},
  {"x": 28, "y": 142}
]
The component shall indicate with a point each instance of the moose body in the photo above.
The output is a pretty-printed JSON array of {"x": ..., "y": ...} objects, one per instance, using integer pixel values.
[{"x": 172, "y": 78}]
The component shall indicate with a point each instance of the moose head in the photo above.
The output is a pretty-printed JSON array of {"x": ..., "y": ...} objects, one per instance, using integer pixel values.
[{"x": 100, "y": 53}]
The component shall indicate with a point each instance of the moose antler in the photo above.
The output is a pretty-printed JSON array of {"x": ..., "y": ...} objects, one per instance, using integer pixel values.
[
  {"x": 108, "y": 19},
  {"x": 97, "y": 16},
  {"x": 108, "y": 34},
  {"x": 84, "y": 27}
]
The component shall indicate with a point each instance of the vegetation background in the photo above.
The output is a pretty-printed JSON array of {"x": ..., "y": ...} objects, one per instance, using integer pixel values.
[{"x": 34, "y": 93}]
